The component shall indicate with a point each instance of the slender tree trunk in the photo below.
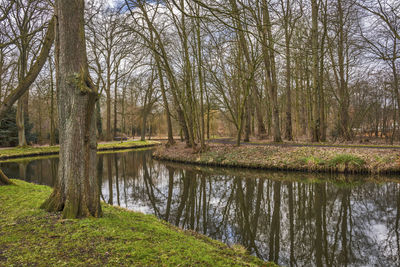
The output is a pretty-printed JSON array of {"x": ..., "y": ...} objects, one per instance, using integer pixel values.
[
  {"x": 108, "y": 116},
  {"x": 201, "y": 84},
  {"x": 143, "y": 128},
  {"x": 269, "y": 62},
  {"x": 99, "y": 123},
  {"x": 261, "y": 131},
  {"x": 115, "y": 102},
  {"x": 165, "y": 101},
  {"x": 76, "y": 192},
  {"x": 21, "y": 122},
  {"x": 22, "y": 104},
  {"x": 323, "y": 126},
  {"x": 123, "y": 119},
  {"x": 108, "y": 98},
  {"x": 248, "y": 122},
  {"x": 395, "y": 78},
  {"x": 208, "y": 115},
  {"x": 188, "y": 103},
  {"x": 343, "y": 90},
  {"x": 52, "y": 126},
  {"x": 315, "y": 131},
  {"x": 288, "y": 125}
]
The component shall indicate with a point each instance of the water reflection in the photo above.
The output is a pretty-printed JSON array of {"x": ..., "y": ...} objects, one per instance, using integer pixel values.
[{"x": 276, "y": 216}]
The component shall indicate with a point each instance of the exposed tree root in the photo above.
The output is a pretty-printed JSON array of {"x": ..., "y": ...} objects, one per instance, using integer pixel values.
[
  {"x": 4, "y": 179},
  {"x": 70, "y": 208}
]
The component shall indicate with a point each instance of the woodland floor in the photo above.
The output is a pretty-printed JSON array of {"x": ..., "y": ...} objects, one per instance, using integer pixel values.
[
  {"x": 31, "y": 236},
  {"x": 308, "y": 158},
  {"x": 30, "y": 151}
]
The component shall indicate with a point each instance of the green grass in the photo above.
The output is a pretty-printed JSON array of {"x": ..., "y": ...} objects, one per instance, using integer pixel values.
[
  {"x": 48, "y": 150},
  {"x": 347, "y": 159},
  {"x": 313, "y": 160},
  {"x": 30, "y": 236}
]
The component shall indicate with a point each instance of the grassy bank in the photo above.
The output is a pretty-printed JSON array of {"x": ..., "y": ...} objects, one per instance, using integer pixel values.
[
  {"x": 30, "y": 236},
  {"x": 18, "y": 152},
  {"x": 308, "y": 159}
]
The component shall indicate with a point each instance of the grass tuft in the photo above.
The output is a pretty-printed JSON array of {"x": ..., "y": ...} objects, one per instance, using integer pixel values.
[{"x": 348, "y": 160}]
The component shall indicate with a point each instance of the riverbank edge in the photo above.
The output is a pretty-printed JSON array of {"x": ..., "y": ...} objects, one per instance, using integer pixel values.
[
  {"x": 211, "y": 159},
  {"x": 26, "y": 152},
  {"x": 29, "y": 235}
]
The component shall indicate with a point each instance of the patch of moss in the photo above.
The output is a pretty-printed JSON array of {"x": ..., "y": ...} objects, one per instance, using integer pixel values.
[{"x": 31, "y": 236}]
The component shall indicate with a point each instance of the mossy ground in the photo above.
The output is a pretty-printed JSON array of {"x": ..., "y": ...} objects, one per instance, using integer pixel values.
[
  {"x": 29, "y": 151},
  {"x": 30, "y": 236},
  {"x": 309, "y": 159}
]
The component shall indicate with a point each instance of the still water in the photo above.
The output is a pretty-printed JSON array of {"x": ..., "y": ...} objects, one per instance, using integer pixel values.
[{"x": 293, "y": 219}]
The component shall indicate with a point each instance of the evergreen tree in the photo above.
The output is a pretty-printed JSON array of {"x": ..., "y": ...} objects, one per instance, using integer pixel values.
[{"x": 9, "y": 130}]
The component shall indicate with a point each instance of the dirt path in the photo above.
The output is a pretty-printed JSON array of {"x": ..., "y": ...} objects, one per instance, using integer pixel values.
[{"x": 229, "y": 141}]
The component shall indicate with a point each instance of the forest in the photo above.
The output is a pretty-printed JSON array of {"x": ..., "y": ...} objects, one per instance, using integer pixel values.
[
  {"x": 278, "y": 70},
  {"x": 294, "y": 86}
]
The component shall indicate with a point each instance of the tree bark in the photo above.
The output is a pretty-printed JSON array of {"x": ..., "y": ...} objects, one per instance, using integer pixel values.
[{"x": 76, "y": 192}]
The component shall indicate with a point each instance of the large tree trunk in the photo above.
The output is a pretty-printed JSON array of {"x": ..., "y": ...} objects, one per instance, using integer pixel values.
[
  {"x": 76, "y": 192},
  {"x": 4, "y": 179}
]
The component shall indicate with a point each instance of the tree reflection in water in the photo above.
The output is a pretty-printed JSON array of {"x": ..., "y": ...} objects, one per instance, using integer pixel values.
[{"x": 293, "y": 219}]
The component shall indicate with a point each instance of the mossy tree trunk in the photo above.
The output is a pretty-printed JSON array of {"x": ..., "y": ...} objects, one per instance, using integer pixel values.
[
  {"x": 76, "y": 192},
  {"x": 4, "y": 179}
]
